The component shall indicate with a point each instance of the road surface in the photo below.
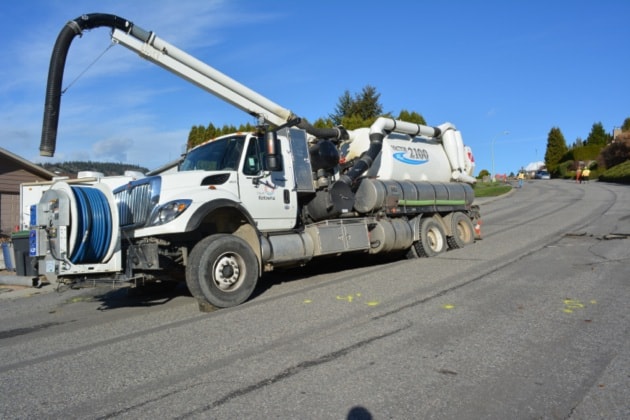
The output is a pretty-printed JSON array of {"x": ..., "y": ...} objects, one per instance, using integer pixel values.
[{"x": 530, "y": 322}]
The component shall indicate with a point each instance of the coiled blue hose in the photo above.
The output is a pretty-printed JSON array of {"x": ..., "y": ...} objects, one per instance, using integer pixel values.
[{"x": 94, "y": 226}]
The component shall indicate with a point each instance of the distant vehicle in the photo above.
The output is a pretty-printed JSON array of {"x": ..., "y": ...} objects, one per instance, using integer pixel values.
[{"x": 542, "y": 175}]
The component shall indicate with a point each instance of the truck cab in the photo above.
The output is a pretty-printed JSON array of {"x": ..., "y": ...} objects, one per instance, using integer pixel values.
[{"x": 237, "y": 164}]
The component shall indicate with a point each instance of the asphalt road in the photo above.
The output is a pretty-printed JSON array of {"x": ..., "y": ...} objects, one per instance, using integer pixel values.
[{"x": 530, "y": 322}]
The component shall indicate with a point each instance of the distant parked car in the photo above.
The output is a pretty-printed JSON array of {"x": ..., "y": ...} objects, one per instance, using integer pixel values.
[{"x": 542, "y": 175}]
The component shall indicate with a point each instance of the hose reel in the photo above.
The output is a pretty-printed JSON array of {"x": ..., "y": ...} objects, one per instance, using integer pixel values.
[
  {"x": 81, "y": 222},
  {"x": 93, "y": 224}
]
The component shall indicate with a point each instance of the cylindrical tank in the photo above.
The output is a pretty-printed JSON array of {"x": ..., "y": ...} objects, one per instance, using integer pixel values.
[
  {"x": 330, "y": 203},
  {"x": 292, "y": 247},
  {"x": 410, "y": 197},
  {"x": 389, "y": 235}
]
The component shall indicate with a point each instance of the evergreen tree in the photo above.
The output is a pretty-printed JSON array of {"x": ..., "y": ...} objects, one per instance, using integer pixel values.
[
  {"x": 354, "y": 121},
  {"x": 247, "y": 128},
  {"x": 367, "y": 104},
  {"x": 107, "y": 168},
  {"x": 556, "y": 149},
  {"x": 211, "y": 132},
  {"x": 358, "y": 111},
  {"x": 352, "y": 111},
  {"x": 412, "y": 117},
  {"x": 626, "y": 125},
  {"x": 196, "y": 136},
  {"x": 324, "y": 123},
  {"x": 597, "y": 136},
  {"x": 343, "y": 108}
]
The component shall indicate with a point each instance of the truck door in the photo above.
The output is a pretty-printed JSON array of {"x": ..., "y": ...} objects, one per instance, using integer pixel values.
[{"x": 269, "y": 196}]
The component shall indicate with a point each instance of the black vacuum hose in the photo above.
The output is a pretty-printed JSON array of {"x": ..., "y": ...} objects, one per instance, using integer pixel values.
[{"x": 57, "y": 64}]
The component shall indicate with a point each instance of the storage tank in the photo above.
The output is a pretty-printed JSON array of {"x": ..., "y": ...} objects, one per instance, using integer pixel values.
[
  {"x": 411, "y": 197},
  {"x": 402, "y": 157}
]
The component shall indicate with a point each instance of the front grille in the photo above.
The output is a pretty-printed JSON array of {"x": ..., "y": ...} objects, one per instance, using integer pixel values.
[{"x": 136, "y": 201}]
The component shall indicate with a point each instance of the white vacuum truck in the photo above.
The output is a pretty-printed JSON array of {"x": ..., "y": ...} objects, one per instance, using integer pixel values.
[{"x": 242, "y": 204}]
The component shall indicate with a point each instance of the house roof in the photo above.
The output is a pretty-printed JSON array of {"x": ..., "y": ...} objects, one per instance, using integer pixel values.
[{"x": 36, "y": 169}]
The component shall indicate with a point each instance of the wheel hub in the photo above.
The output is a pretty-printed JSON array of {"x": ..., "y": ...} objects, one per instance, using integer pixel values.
[{"x": 226, "y": 272}]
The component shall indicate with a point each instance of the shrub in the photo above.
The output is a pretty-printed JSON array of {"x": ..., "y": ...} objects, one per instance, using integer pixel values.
[
  {"x": 564, "y": 170},
  {"x": 616, "y": 153},
  {"x": 618, "y": 173}
]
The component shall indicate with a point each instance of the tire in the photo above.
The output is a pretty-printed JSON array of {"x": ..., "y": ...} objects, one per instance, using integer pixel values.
[
  {"x": 222, "y": 270},
  {"x": 432, "y": 239},
  {"x": 462, "y": 229}
]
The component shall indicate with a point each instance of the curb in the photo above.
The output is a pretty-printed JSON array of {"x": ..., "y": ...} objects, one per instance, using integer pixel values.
[
  {"x": 485, "y": 200},
  {"x": 15, "y": 280}
]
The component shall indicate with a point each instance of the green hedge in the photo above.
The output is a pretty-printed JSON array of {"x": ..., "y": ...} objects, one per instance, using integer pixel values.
[{"x": 618, "y": 173}]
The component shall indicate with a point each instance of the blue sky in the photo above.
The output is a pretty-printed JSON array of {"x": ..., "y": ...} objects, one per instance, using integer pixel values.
[{"x": 485, "y": 66}]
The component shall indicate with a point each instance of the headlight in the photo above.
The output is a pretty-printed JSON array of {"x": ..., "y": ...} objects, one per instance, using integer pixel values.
[{"x": 169, "y": 212}]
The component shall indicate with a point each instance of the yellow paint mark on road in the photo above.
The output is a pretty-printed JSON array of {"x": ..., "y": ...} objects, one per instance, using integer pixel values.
[
  {"x": 571, "y": 305},
  {"x": 357, "y": 297},
  {"x": 349, "y": 298},
  {"x": 448, "y": 306}
]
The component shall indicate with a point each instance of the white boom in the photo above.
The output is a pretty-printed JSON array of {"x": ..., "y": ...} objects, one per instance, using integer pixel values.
[{"x": 188, "y": 67}]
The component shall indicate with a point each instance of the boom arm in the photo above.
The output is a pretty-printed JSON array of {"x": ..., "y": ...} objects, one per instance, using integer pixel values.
[{"x": 160, "y": 52}]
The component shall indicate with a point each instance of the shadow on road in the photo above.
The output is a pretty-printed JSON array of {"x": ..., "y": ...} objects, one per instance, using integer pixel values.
[
  {"x": 322, "y": 266},
  {"x": 133, "y": 297},
  {"x": 158, "y": 294}
]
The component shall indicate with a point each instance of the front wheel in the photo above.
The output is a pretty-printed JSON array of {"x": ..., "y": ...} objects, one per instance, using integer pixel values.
[{"x": 223, "y": 270}]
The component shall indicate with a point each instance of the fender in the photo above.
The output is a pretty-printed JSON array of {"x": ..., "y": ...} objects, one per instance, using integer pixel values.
[
  {"x": 248, "y": 231},
  {"x": 200, "y": 214}
]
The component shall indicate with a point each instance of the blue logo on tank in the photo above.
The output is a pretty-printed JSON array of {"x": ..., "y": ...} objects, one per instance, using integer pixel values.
[{"x": 401, "y": 157}]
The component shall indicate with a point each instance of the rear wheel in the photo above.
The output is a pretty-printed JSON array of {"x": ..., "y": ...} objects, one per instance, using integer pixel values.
[
  {"x": 462, "y": 229},
  {"x": 222, "y": 270},
  {"x": 432, "y": 239}
]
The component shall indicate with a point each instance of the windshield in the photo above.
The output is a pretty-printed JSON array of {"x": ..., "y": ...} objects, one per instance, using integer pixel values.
[{"x": 219, "y": 155}]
